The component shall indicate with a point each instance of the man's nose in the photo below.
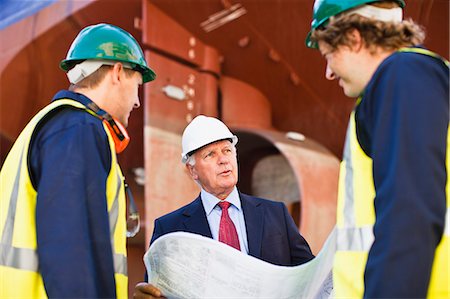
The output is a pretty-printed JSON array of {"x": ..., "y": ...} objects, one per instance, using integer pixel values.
[
  {"x": 222, "y": 159},
  {"x": 137, "y": 104}
]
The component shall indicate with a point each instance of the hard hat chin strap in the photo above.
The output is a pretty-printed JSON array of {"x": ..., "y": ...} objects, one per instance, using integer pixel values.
[
  {"x": 377, "y": 13},
  {"x": 87, "y": 67}
]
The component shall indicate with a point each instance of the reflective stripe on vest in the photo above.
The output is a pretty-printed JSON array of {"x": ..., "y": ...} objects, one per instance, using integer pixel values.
[
  {"x": 356, "y": 217},
  {"x": 120, "y": 260},
  {"x": 19, "y": 262}
]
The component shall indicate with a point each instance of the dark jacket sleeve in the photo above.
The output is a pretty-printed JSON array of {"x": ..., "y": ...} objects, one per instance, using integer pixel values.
[
  {"x": 157, "y": 232},
  {"x": 300, "y": 250},
  {"x": 405, "y": 118},
  {"x": 70, "y": 161},
  {"x": 281, "y": 242}
]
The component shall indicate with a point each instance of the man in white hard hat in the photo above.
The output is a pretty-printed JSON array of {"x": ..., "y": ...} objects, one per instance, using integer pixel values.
[{"x": 264, "y": 228}]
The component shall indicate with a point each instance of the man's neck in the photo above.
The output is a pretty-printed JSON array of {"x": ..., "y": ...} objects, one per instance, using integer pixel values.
[{"x": 97, "y": 95}]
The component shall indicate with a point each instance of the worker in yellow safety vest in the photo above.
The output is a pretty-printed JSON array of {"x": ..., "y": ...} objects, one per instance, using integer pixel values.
[
  {"x": 393, "y": 202},
  {"x": 63, "y": 223}
]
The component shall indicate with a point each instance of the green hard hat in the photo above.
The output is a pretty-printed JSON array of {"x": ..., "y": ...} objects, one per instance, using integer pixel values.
[
  {"x": 108, "y": 42},
  {"x": 324, "y": 9}
]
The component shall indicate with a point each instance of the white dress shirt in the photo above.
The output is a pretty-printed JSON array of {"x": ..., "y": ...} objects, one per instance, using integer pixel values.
[{"x": 214, "y": 212}]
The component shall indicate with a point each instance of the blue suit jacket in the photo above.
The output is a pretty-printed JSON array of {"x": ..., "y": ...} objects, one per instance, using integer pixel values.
[{"x": 272, "y": 234}]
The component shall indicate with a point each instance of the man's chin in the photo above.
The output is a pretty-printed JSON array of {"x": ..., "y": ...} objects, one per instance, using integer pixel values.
[
  {"x": 124, "y": 123},
  {"x": 351, "y": 94},
  {"x": 228, "y": 184}
]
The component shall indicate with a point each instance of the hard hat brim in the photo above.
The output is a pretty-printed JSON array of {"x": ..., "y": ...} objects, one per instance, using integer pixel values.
[
  {"x": 147, "y": 73},
  {"x": 185, "y": 156}
]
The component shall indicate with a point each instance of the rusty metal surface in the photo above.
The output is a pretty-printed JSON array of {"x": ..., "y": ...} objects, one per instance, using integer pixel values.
[
  {"x": 244, "y": 105},
  {"x": 164, "y": 34},
  {"x": 199, "y": 90},
  {"x": 168, "y": 185},
  {"x": 316, "y": 172}
]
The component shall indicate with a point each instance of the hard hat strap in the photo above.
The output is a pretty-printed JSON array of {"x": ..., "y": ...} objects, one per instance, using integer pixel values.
[{"x": 118, "y": 132}]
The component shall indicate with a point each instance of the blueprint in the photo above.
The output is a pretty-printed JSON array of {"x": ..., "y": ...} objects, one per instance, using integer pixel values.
[{"x": 185, "y": 265}]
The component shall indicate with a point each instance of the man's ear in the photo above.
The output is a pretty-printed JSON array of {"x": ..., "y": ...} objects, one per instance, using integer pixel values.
[
  {"x": 116, "y": 72},
  {"x": 356, "y": 40},
  {"x": 192, "y": 171}
]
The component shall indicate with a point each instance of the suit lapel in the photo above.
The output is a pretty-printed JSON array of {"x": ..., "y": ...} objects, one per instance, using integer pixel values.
[
  {"x": 195, "y": 219},
  {"x": 254, "y": 221}
]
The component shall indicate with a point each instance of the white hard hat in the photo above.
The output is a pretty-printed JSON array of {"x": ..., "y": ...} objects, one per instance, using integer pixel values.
[{"x": 202, "y": 131}]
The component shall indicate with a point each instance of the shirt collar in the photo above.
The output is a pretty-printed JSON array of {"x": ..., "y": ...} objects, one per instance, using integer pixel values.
[
  {"x": 64, "y": 94},
  {"x": 210, "y": 201}
]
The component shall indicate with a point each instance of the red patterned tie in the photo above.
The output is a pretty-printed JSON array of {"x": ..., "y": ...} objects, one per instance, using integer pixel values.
[{"x": 227, "y": 230}]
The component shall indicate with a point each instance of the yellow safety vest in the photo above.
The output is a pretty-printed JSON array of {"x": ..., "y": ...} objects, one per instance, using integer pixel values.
[
  {"x": 356, "y": 217},
  {"x": 19, "y": 263}
]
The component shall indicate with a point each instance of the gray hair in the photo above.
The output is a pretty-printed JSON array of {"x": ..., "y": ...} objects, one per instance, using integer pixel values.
[{"x": 191, "y": 160}]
